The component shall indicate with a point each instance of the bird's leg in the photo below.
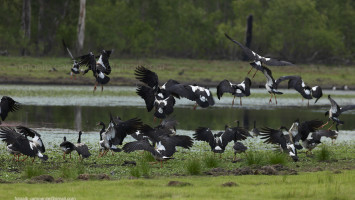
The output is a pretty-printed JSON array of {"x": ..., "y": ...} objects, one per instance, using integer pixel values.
[
  {"x": 112, "y": 152},
  {"x": 102, "y": 88},
  {"x": 275, "y": 99},
  {"x": 64, "y": 155},
  {"x": 234, "y": 157},
  {"x": 95, "y": 86},
  {"x": 33, "y": 159},
  {"x": 331, "y": 126},
  {"x": 74, "y": 77},
  {"x": 233, "y": 101},
  {"x": 324, "y": 124},
  {"x": 220, "y": 156},
  {"x": 240, "y": 101},
  {"x": 255, "y": 73},
  {"x": 161, "y": 164},
  {"x": 195, "y": 106},
  {"x": 308, "y": 103},
  {"x": 270, "y": 99},
  {"x": 333, "y": 141},
  {"x": 26, "y": 159},
  {"x": 70, "y": 155},
  {"x": 250, "y": 70}
]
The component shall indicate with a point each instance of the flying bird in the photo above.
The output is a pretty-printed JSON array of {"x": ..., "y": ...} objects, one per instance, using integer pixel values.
[
  {"x": 298, "y": 84},
  {"x": 237, "y": 90},
  {"x": 7, "y": 105},
  {"x": 257, "y": 59},
  {"x": 100, "y": 68},
  {"x": 274, "y": 136},
  {"x": 153, "y": 95},
  {"x": 335, "y": 111}
]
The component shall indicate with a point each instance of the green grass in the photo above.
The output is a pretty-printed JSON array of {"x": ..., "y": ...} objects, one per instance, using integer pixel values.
[
  {"x": 319, "y": 185},
  {"x": 278, "y": 158},
  {"x": 193, "y": 167},
  {"x": 32, "y": 171},
  {"x": 211, "y": 161},
  {"x": 37, "y": 70},
  {"x": 324, "y": 154}
]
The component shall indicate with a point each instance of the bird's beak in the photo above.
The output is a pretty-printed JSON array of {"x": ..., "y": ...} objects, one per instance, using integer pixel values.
[{"x": 316, "y": 101}]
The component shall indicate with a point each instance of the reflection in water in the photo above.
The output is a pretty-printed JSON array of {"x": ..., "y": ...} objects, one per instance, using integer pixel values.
[{"x": 85, "y": 118}]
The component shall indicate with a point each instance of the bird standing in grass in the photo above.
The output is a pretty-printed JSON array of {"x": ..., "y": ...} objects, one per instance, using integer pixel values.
[
  {"x": 18, "y": 143},
  {"x": 67, "y": 147},
  {"x": 257, "y": 59},
  {"x": 255, "y": 131},
  {"x": 82, "y": 148},
  {"x": 7, "y": 105},
  {"x": 238, "y": 147},
  {"x": 237, "y": 90}
]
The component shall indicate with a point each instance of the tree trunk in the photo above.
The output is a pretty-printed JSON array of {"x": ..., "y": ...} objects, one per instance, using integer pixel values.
[
  {"x": 26, "y": 25},
  {"x": 248, "y": 35},
  {"x": 81, "y": 26},
  {"x": 40, "y": 38}
]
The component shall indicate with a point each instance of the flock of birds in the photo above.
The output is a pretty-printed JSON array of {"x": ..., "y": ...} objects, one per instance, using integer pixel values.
[{"x": 161, "y": 141}]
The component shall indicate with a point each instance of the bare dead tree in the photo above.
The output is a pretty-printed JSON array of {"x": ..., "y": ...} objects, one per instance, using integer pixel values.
[
  {"x": 26, "y": 25},
  {"x": 81, "y": 26},
  {"x": 248, "y": 34}
]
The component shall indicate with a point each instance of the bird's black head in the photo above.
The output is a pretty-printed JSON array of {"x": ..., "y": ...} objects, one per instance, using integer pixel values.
[
  {"x": 297, "y": 120},
  {"x": 226, "y": 126},
  {"x": 80, "y": 133},
  {"x": 44, "y": 157},
  {"x": 329, "y": 96},
  {"x": 100, "y": 124},
  {"x": 294, "y": 158},
  {"x": 65, "y": 138}
]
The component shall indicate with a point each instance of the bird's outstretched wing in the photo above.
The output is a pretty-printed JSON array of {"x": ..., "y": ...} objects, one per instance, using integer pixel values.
[
  {"x": 18, "y": 141},
  {"x": 334, "y": 106},
  {"x": 307, "y": 127},
  {"x": 7, "y": 105},
  {"x": 224, "y": 87},
  {"x": 256, "y": 57},
  {"x": 273, "y": 136},
  {"x": 27, "y": 131},
  {"x": 125, "y": 128},
  {"x": 146, "y": 76},
  {"x": 139, "y": 145},
  {"x": 204, "y": 134},
  {"x": 346, "y": 108},
  {"x": 104, "y": 65},
  {"x": 147, "y": 94}
]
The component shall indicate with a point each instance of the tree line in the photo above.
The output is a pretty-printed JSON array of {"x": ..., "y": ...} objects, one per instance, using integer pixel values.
[{"x": 302, "y": 31}]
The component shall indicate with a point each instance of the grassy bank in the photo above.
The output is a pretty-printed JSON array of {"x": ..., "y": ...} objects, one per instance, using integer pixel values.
[
  {"x": 320, "y": 185},
  {"x": 206, "y": 72}
]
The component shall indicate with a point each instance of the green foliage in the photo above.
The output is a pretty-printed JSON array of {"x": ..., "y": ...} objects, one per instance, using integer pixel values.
[
  {"x": 70, "y": 171},
  {"x": 255, "y": 158},
  {"x": 324, "y": 154},
  {"x": 302, "y": 30},
  {"x": 32, "y": 171},
  {"x": 193, "y": 167},
  {"x": 211, "y": 161},
  {"x": 278, "y": 158},
  {"x": 142, "y": 169}
]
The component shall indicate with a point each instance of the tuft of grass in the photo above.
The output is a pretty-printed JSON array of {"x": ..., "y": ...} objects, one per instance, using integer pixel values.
[
  {"x": 32, "y": 171},
  {"x": 141, "y": 170},
  {"x": 255, "y": 158},
  {"x": 71, "y": 171},
  {"x": 211, "y": 161},
  {"x": 277, "y": 158},
  {"x": 193, "y": 167},
  {"x": 147, "y": 157},
  {"x": 323, "y": 154}
]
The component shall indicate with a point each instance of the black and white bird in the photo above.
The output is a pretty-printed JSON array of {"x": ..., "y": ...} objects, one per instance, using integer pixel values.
[
  {"x": 237, "y": 90},
  {"x": 163, "y": 144},
  {"x": 219, "y": 141},
  {"x": 117, "y": 131},
  {"x": 298, "y": 84},
  {"x": 255, "y": 131},
  {"x": 82, "y": 148},
  {"x": 153, "y": 95},
  {"x": 18, "y": 143},
  {"x": 67, "y": 147},
  {"x": 335, "y": 111},
  {"x": 104, "y": 149},
  {"x": 75, "y": 69},
  {"x": 301, "y": 130},
  {"x": 36, "y": 137},
  {"x": 274, "y": 136},
  {"x": 257, "y": 59},
  {"x": 169, "y": 124},
  {"x": 270, "y": 85},
  {"x": 238, "y": 147},
  {"x": 332, "y": 134},
  {"x": 201, "y": 95},
  {"x": 100, "y": 68},
  {"x": 7, "y": 105}
]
